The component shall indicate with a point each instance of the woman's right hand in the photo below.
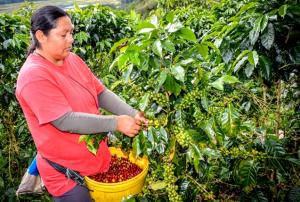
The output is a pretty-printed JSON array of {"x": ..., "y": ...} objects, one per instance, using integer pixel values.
[{"x": 128, "y": 125}]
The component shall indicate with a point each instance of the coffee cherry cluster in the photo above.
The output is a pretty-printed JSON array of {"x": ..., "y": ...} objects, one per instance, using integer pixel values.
[
  {"x": 182, "y": 137},
  {"x": 154, "y": 123},
  {"x": 199, "y": 117},
  {"x": 170, "y": 180},
  {"x": 137, "y": 91},
  {"x": 120, "y": 169},
  {"x": 242, "y": 153},
  {"x": 161, "y": 120},
  {"x": 189, "y": 99},
  {"x": 161, "y": 99},
  {"x": 151, "y": 82}
]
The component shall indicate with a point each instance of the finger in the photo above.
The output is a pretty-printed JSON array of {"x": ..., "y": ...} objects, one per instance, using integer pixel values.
[
  {"x": 138, "y": 122},
  {"x": 145, "y": 121},
  {"x": 136, "y": 127},
  {"x": 130, "y": 134}
]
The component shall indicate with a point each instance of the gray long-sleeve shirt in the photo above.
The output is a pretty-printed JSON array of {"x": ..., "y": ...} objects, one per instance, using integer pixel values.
[{"x": 85, "y": 123}]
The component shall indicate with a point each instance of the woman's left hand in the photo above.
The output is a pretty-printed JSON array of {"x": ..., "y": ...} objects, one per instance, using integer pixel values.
[{"x": 141, "y": 117}]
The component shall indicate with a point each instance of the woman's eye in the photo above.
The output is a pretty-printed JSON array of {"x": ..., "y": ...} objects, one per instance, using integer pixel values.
[{"x": 63, "y": 35}]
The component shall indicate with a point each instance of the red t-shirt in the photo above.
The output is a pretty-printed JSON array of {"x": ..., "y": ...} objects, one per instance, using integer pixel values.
[{"x": 46, "y": 92}]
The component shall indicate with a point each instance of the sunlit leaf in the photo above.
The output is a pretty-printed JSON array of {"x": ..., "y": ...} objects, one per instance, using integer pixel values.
[
  {"x": 145, "y": 30},
  {"x": 240, "y": 64},
  {"x": 173, "y": 27},
  {"x": 264, "y": 23},
  {"x": 253, "y": 36},
  {"x": 178, "y": 72},
  {"x": 282, "y": 10},
  {"x": 203, "y": 50},
  {"x": 136, "y": 148},
  {"x": 170, "y": 16},
  {"x": 253, "y": 58},
  {"x": 168, "y": 45},
  {"x": 144, "y": 102},
  {"x": 171, "y": 85},
  {"x": 157, "y": 48},
  {"x": 161, "y": 79},
  {"x": 187, "y": 34}
]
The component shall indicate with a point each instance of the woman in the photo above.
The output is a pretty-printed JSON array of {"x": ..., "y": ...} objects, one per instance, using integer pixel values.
[{"x": 60, "y": 98}]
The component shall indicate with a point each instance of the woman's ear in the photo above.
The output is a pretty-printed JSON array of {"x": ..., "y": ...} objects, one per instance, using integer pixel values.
[{"x": 40, "y": 36}]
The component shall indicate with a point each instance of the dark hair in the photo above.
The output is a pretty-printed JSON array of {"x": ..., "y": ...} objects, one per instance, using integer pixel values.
[{"x": 44, "y": 19}]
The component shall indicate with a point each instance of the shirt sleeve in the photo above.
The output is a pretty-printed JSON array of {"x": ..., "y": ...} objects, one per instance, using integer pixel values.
[{"x": 46, "y": 100}]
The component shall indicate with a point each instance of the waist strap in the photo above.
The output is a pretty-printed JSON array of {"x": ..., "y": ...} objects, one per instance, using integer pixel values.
[{"x": 70, "y": 174}]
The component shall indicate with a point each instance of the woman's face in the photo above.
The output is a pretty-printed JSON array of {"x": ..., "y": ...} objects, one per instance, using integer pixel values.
[{"x": 58, "y": 43}]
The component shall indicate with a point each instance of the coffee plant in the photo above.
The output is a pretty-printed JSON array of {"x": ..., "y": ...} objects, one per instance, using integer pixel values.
[{"x": 218, "y": 81}]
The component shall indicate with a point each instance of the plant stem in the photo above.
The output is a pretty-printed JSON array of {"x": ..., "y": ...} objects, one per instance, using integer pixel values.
[{"x": 196, "y": 183}]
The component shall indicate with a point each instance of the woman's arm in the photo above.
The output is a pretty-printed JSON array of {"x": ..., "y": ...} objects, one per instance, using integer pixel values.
[
  {"x": 85, "y": 123},
  {"x": 112, "y": 103}
]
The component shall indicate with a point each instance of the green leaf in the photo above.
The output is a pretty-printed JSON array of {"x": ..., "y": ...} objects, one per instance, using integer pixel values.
[
  {"x": 160, "y": 148},
  {"x": 203, "y": 50},
  {"x": 157, "y": 48},
  {"x": 295, "y": 161},
  {"x": 170, "y": 16},
  {"x": 247, "y": 172},
  {"x": 117, "y": 44},
  {"x": 230, "y": 79},
  {"x": 187, "y": 34},
  {"x": 257, "y": 23},
  {"x": 161, "y": 80},
  {"x": 249, "y": 70},
  {"x": 144, "y": 102},
  {"x": 240, "y": 64},
  {"x": 282, "y": 10},
  {"x": 253, "y": 36},
  {"x": 228, "y": 120},
  {"x": 264, "y": 23},
  {"x": 253, "y": 58},
  {"x": 122, "y": 60},
  {"x": 81, "y": 37},
  {"x": 136, "y": 147},
  {"x": 145, "y": 24},
  {"x": 209, "y": 130},
  {"x": 114, "y": 63},
  {"x": 145, "y": 30},
  {"x": 168, "y": 46},
  {"x": 150, "y": 137},
  {"x": 163, "y": 134},
  {"x": 294, "y": 194},
  {"x": 213, "y": 46},
  {"x": 187, "y": 61},
  {"x": 171, "y": 85},
  {"x": 178, "y": 72},
  {"x": 218, "y": 84},
  {"x": 266, "y": 66},
  {"x": 173, "y": 27},
  {"x": 127, "y": 73},
  {"x": 267, "y": 39},
  {"x": 204, "y": 101},
  {"x": 196, "y": 155},
  {"x": 154, "y": 21}
]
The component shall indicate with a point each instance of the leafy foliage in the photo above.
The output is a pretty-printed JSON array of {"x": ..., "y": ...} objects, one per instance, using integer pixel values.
[{"x": 218, "y": 80}]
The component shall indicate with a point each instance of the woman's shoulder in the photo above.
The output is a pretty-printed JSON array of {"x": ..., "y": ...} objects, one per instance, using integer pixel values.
[
  {"x": 31, "y": 71},
  {"x": 33, "y": 67}
]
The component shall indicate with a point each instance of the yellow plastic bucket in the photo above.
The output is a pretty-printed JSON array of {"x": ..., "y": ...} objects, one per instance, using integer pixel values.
[{"x": 114, "y": 192}]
